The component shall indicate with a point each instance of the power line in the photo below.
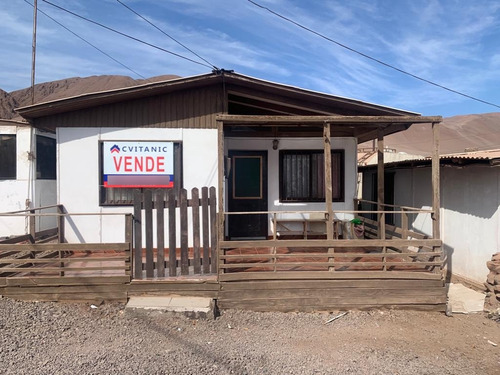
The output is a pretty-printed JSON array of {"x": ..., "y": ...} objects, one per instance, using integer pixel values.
[
  {"x": 86, "y": 41},
  {"x": 164, "y": 33},
  {"x": 125, "y": 35},
  {"x": 369, "y": 57}
]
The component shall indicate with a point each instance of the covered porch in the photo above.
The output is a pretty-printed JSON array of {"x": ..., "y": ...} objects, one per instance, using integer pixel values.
[{"x": 328, "y": 258}]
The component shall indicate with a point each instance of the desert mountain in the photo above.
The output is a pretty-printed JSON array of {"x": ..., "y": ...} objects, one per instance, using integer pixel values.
[
  {"x": 65, "y": 88},
  {"x": 457, "y": 134}
]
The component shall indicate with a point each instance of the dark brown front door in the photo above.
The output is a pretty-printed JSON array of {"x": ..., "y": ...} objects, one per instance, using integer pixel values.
[{"x": 247, "y": 192}]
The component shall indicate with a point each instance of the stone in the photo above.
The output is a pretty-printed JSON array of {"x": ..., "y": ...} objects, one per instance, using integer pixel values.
[
  {"x": 490, "y": 279},
  {"x": 493, "y": 266}
]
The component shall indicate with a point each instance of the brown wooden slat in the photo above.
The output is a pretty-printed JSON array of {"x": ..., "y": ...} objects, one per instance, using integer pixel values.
[
  {"x": 16, "y": 290},
  {"x": 137, "y": 234},
  {"x": 160, "y": 232},
  {"x": 205, "y": 224},
  {"x": 325, "y": 254},
  {"x": 148, "y": 215},
  {"x": 184, "y": 232},
  {"x": 335, "y": 294},
  {"x": 73, "y": 297},
  {"x": 325, "y": 264},
  {"x": 72, "y": 269},
  {"x": 332, "y": 284},
  {"x": 119, "y": 246},
  {"x": 327, "y": 243},
  {"x": 309, "y": 275},
  {"x": 66, "y": 280},
  {"x": 195, "y": 204},
  {"x": 213, "y": 229},
  {"x": 172, "y": 269},
  {"x": 64, "y": 260}
]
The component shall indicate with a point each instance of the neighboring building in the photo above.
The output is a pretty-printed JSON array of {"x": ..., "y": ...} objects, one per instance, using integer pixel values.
[
  {"x": 27, "y": 174},
  {"x": 470, "y": 205}
]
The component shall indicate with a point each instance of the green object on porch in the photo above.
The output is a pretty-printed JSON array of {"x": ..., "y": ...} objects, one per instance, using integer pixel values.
[{"x": 356, "y": 221}]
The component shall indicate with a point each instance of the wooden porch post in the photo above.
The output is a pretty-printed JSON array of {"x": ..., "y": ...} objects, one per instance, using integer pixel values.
[
  {"x": 221, "y": 165},
  {"x": 328, "y": 192},
  {"x": 328, "y": 181},
  {"x": 380, "y": 184},
  {"x": 436, "y": 201}
]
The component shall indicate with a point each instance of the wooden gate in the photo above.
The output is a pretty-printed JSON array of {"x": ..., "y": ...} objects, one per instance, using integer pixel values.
[{"x": 188, "y": 225}]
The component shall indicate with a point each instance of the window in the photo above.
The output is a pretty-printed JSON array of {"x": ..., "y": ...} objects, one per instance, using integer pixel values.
[
  {"x": 302, "y": 176},
  {"x": 45, "y": 158},
  {"x": 8, "y": 157},
  {"x": 124, "y": 196}
]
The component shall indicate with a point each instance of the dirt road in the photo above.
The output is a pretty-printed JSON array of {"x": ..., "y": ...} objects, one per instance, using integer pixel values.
[{"x": 50, "y": 338}]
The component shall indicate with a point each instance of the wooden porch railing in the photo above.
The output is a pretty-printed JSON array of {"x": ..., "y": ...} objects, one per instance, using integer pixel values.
[
  {"x": 45, "y": 254},
  {"x": 399, "y": 249}
]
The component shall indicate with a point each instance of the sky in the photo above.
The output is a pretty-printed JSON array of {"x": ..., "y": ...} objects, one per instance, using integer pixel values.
[{"x": 453, "y": 43}]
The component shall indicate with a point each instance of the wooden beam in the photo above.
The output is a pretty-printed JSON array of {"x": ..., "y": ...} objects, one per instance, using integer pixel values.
[
  {"x": 380, "y": 183},
  {"x": 244, "y": 120},
  {"x": 220, "y": 188},
  {"x": 436, "y": 201}
]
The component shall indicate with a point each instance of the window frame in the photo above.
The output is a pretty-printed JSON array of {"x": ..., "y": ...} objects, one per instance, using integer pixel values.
[
  {"x": 178, "y": 174},
  {"x": 14, "y": 175},
  {"x": 340, "y": 179}
]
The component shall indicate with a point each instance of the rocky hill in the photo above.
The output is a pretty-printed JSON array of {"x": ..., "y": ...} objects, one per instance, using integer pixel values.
[
  {"x": 66, "y": 88},
  {"x": 458, "y": 133}
]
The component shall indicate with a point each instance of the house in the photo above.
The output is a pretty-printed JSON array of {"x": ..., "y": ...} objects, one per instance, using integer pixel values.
[
  {"x": 27, "y": 174},
  {"x": 470, "y": 202},
  {"x": 281, "y": 163}
]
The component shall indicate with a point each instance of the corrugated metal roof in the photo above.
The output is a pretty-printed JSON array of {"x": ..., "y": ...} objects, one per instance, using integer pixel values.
[{"x": 490, "y": 156}]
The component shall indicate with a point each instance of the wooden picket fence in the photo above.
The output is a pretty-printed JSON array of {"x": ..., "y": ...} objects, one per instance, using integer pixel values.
[{"x": 180, "y": 219}]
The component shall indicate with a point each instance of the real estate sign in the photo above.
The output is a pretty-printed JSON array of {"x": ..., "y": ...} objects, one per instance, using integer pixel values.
[{"x": 138, "y": 164}]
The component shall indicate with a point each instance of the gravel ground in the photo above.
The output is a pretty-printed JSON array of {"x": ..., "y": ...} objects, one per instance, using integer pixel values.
[{"x": 56, "y": 338}]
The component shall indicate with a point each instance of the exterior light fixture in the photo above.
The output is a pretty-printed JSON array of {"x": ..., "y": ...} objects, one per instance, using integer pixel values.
[{"x": 275, "y": 144}]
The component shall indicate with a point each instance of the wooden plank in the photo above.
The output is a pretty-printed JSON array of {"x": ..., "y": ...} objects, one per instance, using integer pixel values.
[
  {"x": 129, "y": 238},
  {"x": 272, "y": 255},
  {"x": 213, "y": 230},
  {"x": 13, "y": 240},
  {"x": 338, "y": 120},
  {"x": 172, "y": 230},
  {"x": 119, "y": 246},
  {"x": 380, "y": 182},
  {"x": 160, "y": 232},
  {"x": 221, "y": 171},
  {"x": 174, "y": 287},
  {"x": 184, "y": 232},
  {"x": 326, "y": 263},
  {"x": 332, "y": 284},
  {"x": 407, "y": 295},
  {"x": 195, "y": 196},
  {"x": 314, "y": 306},
  {"x": 60, "y": 223},
  {"x": 367, "y": 243},
  {"x": 58, "y": 269},
  {"x": 65, "y": 289},
  {"x": 137, "y": 234},
  {"x": 66, "y": 280},
  {"x": 205, "y": 224},
  {"x": 118, "y": 257},
  {"x": 436, "y": 201},
  {"x": 310, "y": 275},
  {"x": 148, "y": 216},
  {"x": 73, "y": 297},
  {"x": 32, "y": 226}
]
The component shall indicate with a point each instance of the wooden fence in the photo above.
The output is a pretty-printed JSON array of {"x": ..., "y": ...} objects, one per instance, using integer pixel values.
[{"x": 175, "y": 214}]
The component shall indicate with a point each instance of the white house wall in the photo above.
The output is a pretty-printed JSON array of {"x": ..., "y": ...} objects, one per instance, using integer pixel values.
[
  {"x": 347, "y": 144},
  {"x": 79, "y": 168},
  {"x": 16, "y": 192}
]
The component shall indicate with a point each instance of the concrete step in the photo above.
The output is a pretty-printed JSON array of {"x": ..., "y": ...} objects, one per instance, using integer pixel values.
[{"x": 195, "y": 307}]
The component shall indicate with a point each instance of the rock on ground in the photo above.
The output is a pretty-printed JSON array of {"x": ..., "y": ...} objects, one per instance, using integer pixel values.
[{"x": 56, "y": 338}]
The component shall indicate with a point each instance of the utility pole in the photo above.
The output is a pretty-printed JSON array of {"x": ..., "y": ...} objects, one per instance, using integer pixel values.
[{"x": 33, "y": 52}]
